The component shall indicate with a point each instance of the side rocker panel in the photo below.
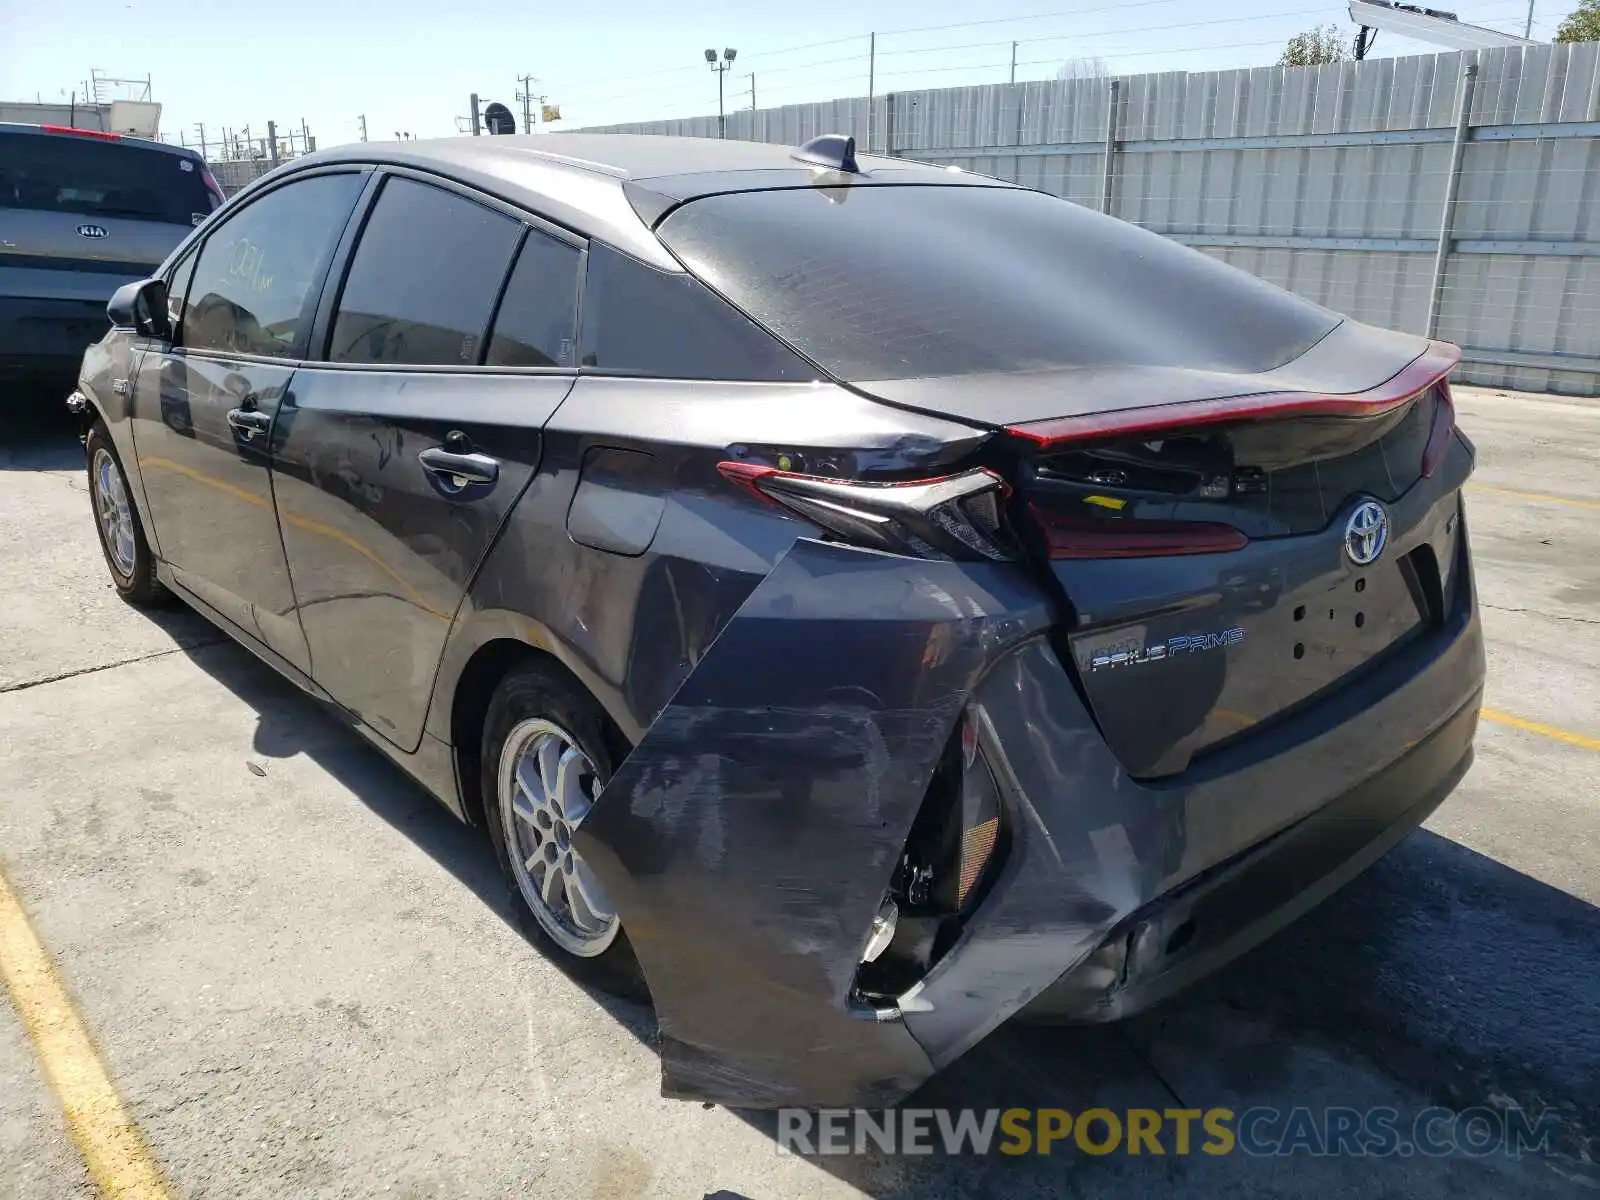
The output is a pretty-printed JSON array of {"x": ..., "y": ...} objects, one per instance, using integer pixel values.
[{"x": 748, "y": 839}]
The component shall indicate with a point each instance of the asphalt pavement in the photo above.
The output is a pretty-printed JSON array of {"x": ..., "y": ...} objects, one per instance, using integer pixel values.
[{"x": 298, "y": 973}]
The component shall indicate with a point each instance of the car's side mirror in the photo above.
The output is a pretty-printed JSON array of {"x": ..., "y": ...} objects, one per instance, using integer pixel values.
[{"x": 141, "y": 307}]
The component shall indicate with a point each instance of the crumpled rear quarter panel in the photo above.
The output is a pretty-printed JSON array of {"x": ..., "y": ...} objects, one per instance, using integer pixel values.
[{"x": 748, "y": 839}]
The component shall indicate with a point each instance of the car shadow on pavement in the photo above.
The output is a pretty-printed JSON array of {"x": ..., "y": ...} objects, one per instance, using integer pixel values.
[
  {"x": 39, "y": 434},
  {"x": 1439, "y": 974},
  {"x": 288, "y": 723}
]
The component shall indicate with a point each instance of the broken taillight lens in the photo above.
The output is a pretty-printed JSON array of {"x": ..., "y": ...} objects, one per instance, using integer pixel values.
[
  {"x": 980, "y": 817},
  {"x": 952, "y": 517}
]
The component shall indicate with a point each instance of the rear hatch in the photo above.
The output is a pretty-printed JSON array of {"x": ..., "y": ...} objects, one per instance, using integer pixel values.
[
  {"x": 1192, "y": 452},
  {"x": 80, "y": 212},
  {"x": 1225, "y": 564}
]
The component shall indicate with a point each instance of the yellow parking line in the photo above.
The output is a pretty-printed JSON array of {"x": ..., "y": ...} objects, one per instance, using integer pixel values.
[
  {"x": 111, "y": 1147},
  {"x": 1549, "y": 731},
  {"x": 1541, "y": 496}
]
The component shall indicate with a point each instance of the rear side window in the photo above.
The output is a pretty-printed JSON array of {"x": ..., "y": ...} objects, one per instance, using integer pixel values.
[
  {"x": 537, "y": 322},
  {"x": 251, "y": 287},
  {"x": 423, "y": 280},
  {"x": 90, "y": 177},
  {"x": 641, "y": 321}
]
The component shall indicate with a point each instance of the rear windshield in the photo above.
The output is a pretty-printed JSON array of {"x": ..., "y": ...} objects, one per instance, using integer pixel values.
[
  {"x": 90, "y": 177},
  {"x": 891, "y": 282}
]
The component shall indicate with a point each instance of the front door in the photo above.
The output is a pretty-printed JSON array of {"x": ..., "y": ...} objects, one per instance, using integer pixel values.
[
  {"x": 399, "y": 457},
  {"x": 204, "y": 405}
]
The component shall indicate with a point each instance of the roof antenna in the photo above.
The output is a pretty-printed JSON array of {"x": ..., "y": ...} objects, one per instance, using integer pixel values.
[{"x": 835, "y": 151}]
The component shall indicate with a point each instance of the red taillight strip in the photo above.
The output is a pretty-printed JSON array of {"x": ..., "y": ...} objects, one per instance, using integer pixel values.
[
  {"x": 1433, "y": 365},
  {"x": 88, "y": 133},
  {"x": 1089, "y": 537},
  {"x": 747, "y": 476},
  {"x": 1444, "y": 425}
]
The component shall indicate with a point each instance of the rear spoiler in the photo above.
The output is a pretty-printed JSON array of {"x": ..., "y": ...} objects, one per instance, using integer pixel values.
[{"x": 1436, "y": 362}]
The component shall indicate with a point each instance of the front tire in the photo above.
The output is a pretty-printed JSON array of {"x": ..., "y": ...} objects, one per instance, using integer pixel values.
[
  {"x": 545, "y": 759},
  {"x": 122, "y": 540}
]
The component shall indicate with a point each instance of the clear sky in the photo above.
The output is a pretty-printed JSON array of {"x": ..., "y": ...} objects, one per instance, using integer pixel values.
[{"x": 411, "y": 64}]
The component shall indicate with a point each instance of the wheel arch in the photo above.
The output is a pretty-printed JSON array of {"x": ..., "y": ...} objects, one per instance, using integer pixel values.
[{"x": 494, "y": 658}]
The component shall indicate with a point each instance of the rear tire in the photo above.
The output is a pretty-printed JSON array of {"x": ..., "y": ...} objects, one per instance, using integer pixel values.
[
  {"x": 122, "y": 540},
  {"x": 545, "y": 758}
]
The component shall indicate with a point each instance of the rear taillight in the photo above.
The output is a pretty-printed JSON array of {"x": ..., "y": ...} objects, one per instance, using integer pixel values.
[
  {"x": 1442, "y": 430},
  {"x": 980, "y": 817},
  {"x": 953, "y": 517},
  {"x": 1121, "y": 484},
  {"x": 212, "y": 186}
]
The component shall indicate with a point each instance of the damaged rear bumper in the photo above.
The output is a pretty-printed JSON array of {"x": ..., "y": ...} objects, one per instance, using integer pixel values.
[
  {"x": 1187, "y": 934},
  {"x": 749, "y": 838}
]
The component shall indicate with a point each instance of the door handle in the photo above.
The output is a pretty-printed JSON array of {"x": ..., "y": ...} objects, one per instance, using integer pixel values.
[
  {"x": 249, "y": 422},
  {"x": 456, "y": 472}
]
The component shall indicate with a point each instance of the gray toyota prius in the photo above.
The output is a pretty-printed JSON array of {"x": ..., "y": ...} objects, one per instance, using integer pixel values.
[{"x": 863, "y": 602}]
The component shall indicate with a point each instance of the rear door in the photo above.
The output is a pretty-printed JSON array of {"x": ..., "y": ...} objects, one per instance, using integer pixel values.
[
  {"x": 401, "y": 453},
  {"x": 204, "y": 405}
]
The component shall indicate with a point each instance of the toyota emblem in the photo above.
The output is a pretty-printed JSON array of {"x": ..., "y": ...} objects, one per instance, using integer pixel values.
[{"x": 1366, "y": 533}]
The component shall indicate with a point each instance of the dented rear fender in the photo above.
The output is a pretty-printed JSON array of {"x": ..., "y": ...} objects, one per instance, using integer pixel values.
[{"x": 748, "y": 839}]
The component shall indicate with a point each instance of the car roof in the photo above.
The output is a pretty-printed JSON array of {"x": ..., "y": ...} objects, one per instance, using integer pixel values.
[
  {"x": 636, "y": 157},
  {"x": 96, "y": 135},
  {"x": 614, "y": 186}
]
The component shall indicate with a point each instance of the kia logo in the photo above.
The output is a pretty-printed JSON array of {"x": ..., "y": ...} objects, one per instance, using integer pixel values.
[{"x": 92, "y": 231}]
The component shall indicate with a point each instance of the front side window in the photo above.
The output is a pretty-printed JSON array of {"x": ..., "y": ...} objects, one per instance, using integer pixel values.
[
  {"x": 252, "y": 288},
  {"x": 423, "y": 279},
  {"x": 536, "y": 324}
]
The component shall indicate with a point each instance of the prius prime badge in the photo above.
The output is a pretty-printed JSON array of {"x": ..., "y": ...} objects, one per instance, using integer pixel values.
[{"x": 1366, "y": 533}]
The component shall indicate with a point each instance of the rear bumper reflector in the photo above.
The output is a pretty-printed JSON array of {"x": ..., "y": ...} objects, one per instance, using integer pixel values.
[{"x": 1086, "y": 537}]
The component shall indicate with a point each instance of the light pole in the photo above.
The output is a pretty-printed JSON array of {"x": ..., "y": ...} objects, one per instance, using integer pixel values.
[{"x": 721, "y": 68}]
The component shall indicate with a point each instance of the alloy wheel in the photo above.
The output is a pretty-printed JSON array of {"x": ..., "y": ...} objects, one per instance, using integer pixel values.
[
  {"x": 115, "y": 515},
  {"x": 547, "y": 787}
]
